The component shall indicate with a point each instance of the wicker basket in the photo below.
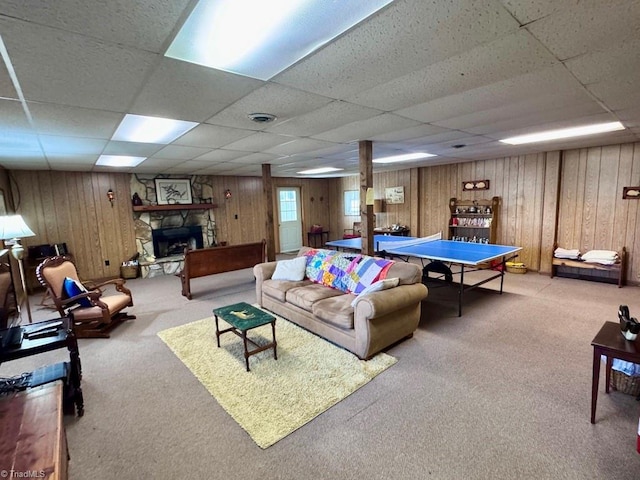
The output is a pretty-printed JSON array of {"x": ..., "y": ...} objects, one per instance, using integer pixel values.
[
  {"x": 629, "y": 384},
  {"x": 513, "y": 267},
  {"x": 129, "y": 271}
]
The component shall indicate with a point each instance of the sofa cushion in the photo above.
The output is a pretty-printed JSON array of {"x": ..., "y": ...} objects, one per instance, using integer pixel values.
[
  {"x": 72, "y": 287},
  {"x": 278, "y": 288},
  {"x": 335, "y": 311},
  {"x": 305, "y": 296},
  {"x": 292, "y": 270},
  {"x": 376, "y": 287}
]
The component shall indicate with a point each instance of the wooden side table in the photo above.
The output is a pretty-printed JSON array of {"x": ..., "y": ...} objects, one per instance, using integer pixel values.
[
  {"x": 312, "y": 238},
  {"x": 610, "y": 343},
  {"x": 33, "y": 440}
]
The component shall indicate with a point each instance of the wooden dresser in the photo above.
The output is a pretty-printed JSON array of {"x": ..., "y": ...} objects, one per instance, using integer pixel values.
[{"x": 33, "y": 442}]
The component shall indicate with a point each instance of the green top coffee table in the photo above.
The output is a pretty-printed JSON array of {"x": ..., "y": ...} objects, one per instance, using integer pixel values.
[{"x": 244, "y": 317}]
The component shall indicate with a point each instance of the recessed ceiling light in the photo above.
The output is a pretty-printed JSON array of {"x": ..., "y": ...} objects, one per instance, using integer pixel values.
[
  {"x": 403, "y": 158},
  {"x": 262, "y": 117},
  {"x": 119, "y": 161},
  {"x": 564, "y": 133},
  {"x": 259, "y": 39},
  {"x": 315, "y": 171},
  {"x": 143, "y": 129}
]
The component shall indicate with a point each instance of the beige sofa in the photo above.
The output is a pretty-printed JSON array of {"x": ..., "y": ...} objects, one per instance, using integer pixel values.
[{"x": 376, "y": 321}]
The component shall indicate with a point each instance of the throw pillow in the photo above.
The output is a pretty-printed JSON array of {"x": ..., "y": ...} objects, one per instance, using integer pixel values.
[
  {"x": 292, "y": 270},
  {"x": 377, "y": 286},
  {"x": 73, "y": 287}
]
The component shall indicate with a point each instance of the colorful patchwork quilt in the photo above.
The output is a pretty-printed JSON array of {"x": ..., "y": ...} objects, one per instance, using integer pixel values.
[{"x": 348, "y": 272}]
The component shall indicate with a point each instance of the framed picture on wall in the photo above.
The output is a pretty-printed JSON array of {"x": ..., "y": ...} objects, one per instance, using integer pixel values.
[
  {"x": 394, "y": 195},
  {"x": 173, "y": 191}
]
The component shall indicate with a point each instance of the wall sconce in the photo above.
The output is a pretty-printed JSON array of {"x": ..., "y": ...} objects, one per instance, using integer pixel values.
[
  {"x": 227, "y": 194},
  {"x": 111, "y": 196}
]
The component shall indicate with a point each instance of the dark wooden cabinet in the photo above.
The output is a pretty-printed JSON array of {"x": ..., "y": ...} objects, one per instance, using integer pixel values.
[{"x": 474, "y": 220}]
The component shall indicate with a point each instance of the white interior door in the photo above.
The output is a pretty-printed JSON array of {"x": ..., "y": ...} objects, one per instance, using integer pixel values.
[{"x": 289, "y": 219}]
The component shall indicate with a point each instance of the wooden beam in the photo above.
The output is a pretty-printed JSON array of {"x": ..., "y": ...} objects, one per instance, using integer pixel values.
[
  {"x": 267, "y": 190},
  {"x": 366, "y": 182}
]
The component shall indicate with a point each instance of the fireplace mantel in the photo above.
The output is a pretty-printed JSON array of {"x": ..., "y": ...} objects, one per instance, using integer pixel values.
[{"x": 161, "y": 208}]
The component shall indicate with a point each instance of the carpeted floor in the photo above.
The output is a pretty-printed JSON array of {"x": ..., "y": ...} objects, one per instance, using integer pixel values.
[
  {"x": 502, "y": 392},
  {"x": 277, "y": 396}
]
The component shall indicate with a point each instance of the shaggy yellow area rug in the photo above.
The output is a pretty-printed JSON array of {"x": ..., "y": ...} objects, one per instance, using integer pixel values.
[{"x": 277, "y": 396}]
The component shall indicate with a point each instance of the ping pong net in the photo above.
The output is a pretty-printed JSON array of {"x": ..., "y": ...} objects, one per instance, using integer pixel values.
[{"x": 394, "y": 245}]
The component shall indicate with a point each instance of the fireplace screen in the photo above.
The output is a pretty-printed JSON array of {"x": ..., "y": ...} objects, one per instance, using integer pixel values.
[{"x": 168, "y": 242}]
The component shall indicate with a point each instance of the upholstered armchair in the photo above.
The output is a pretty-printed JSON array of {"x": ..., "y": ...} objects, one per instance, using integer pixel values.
[{"x": 95, "y": 313}]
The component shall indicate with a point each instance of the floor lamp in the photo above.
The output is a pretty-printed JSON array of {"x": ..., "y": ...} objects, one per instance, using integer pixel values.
[{"x": 12, "y": 229}]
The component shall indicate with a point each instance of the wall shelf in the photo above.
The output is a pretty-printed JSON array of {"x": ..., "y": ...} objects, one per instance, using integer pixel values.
[
  {"x": 479, "y": 225},
  {"x": 161, "y": 208}
]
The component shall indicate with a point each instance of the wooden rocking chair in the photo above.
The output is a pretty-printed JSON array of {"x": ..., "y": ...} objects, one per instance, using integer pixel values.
[{"x": 100, "y": 313}]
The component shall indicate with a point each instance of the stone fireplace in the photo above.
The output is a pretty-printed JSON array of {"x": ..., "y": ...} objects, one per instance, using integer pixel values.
[{"x": 168, "y": 242}]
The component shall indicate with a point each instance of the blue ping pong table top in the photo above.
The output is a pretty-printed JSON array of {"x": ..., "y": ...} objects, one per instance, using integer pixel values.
[{"x": 467, "y": 253}]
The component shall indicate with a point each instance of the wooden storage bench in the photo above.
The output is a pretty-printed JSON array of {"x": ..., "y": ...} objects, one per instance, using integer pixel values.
[
  {"x": 208, "y": 261},
  {"x": 616, "y": 273}
]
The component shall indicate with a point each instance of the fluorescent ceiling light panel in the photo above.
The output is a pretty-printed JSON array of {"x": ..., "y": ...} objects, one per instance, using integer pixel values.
[
  {"x": 142, "y": 129},
  {"x": 119, "y": 161},
  {"x": 564, "y": 133},
  {"x": 403, "y": 158},
  {"x": 316, "y": 171},
  {"x": 259, "y": 38}
]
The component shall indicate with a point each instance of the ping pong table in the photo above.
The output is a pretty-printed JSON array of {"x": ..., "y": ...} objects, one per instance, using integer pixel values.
[{"x": 467, "y": 256}]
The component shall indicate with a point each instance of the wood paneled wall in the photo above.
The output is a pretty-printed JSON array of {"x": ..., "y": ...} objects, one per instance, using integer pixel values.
[
  {"x": 248, "y": 204},
  {"x": 73, "y": 208},
  {"x": 592, "y": 213},
  {"x": 578, "y": 199}
]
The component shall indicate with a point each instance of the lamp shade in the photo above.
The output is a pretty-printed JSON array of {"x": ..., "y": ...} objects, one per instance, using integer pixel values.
[{"x": 13, "y": 226}]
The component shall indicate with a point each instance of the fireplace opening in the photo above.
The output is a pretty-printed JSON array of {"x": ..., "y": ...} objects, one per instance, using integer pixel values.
[{"x": 168, "y": 242}]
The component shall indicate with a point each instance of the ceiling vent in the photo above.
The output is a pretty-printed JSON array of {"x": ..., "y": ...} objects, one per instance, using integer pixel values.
[{"x": 262, "y": 117}]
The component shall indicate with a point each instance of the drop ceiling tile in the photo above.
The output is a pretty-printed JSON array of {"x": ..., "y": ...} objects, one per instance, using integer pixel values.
[
  {"x": 144, "y": 24},
  {"x": 328, "y": 117},
  {"x": 13, "y": 118},
  {"x": 221, "y": 155},
  {"x": 532, "y": 125},
  {"x": 258, "y": 142},
  {"x": 54, "y": 145},
  {"x": 25, "y": 162},
  {"x": 418, "y": 131},
  {"x": 178, "y": 152},
  {"x": 619, "y": 60},
  {"x": 366, "y": 129},
  {"x": 555, "y": 79},
  {"x": 73, "y": 121},
  {"x": 589, "y": 26},
  {"x": 404, "y": 37},
  {"x": 62, "y": 160},
  {"x": 617, "y": 92},
  {"x": 186, "y": 91},
  {"x": 160, "y": 162},
  {"x": 7, "y": 89},
  {"x": 131, "y": 148},
  {"x": 526, "y": 11},
  {"x": 212, "y": 136},
  {"x": 53, "y": 66},
  {"x": 300, "y": 145},
  {"x": 283, "y": 102},
  {"x": 255, "y": 158},
  {"x": 531, "y": 111},
  {"x": 513, "y": 55}
]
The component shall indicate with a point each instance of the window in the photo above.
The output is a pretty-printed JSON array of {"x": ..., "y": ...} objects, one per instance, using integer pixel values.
[
  {"x": 288, "y": 206},
  {"x": 352, "y": 202}
]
